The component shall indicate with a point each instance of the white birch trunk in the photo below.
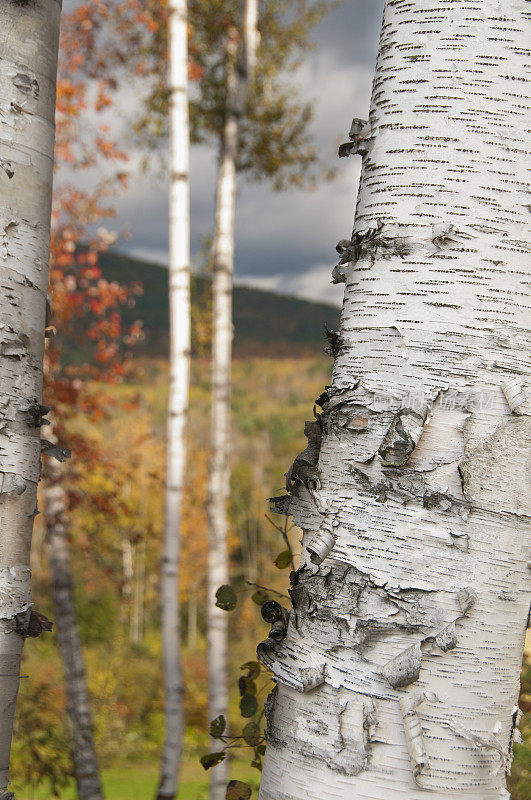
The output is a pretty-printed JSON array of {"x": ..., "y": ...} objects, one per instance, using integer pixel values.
[
  {"x": 140, "y": 587},
  {"x": 28, "y": 68},
  {"x": 238, "y": 76},
  {"x": 179, "y": 290},
  {"x": 399, "y": 675},
  {"x": 127, "y": 584},
  {"x": 86, "y": 768}
]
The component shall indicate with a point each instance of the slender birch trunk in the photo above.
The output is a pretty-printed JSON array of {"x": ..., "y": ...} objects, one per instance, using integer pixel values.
[
  {"x": 83, "y": 749},
  {"x": 28, "y": 68},
  {"x": 127, "y": 584},
  {"x": 140, "y": 587},
  {"x": 240, "y": 63},
  {"x": 399, "y": 675},
  {"x": 179, "y": 290}
]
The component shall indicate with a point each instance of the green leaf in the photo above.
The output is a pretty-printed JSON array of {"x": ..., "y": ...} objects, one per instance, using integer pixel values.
[
  {"x": 246, "y": 686},
  {"x": 260, "y": 597},
  {"x": 252, "y": 734},
  {"x": 217, "y": 726},
  {"x": 226, "y": 598},
  {"x": 284, "y": 559},
  {"x": 248, "y": 705},
  {"x": 253, "y": 669},
  {"x": 237, "y": 790},
  {"x": 212, "y": 759}
]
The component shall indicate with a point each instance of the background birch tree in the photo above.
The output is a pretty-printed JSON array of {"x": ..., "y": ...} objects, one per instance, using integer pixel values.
[
  {"x": 399, "y": 673},
  {"x": 78, "y": 297},
  {"x": 239, "y": 75},
  {"x": 83, "y": 750},
  {"x": 29, "y": 35},
  {"x": 179, "y": 298}
]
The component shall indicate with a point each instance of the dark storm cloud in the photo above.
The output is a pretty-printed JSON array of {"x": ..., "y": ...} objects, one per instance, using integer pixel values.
[{"x": 351, "y": 32}]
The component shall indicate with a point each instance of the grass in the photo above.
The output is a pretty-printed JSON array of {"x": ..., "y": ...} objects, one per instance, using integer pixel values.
[{"x": 139, "y": 783}]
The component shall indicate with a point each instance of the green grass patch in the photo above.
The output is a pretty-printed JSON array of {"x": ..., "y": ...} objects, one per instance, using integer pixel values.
[{"x": 139, "y": 783}]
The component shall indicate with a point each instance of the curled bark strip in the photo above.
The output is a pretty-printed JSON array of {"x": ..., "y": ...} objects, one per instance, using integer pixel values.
[
  {"x": 403, "y": 436},
  {"x": 487, "y": 741},
  {"x": 312, "y": 429},
  {"x": 35, "y": 413},
  {"x": 38, "y": 623},
  {"x": 444, "y": 234},
  {"x": 27, "y": 84},
  {"x": 466, "y": 598},
  {"x": 55, "y": 450},
  {"x": 275, "y": 614},
  {"x": 384, "y": 241},
  {"x": 321, "y": 544},
  {"x": 359, "y": 134},
  {"x": 280, "y": 505},
  {"x": 304, "y": 469},
  {"x": 9, "y": 171},
  {"x": 278, "y": 617},
  {"x": 413, "y": 731},
  {"x": 404, "y": 668},
  {"x": 335, "y": 342},
  {"x": 14, "y": 591},
  {"x": 13, "y": 345},
  {"x": 517, "y": 396},
  {"x": 7, "y": 796},
  {"x": 447, "y": 638},
  {"x": 312, "y": 677},
  {"x": 10, "y": 483}
]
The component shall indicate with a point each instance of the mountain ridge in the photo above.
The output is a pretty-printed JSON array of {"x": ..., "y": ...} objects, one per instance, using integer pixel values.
[{"x": 265, "y": 323}]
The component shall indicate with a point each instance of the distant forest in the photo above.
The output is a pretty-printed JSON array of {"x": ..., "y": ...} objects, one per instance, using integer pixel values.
[{"x": 265, "y": 323}]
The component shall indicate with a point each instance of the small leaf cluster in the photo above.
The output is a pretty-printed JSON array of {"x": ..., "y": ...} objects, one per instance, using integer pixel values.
[{"x": 252, "y": 734}]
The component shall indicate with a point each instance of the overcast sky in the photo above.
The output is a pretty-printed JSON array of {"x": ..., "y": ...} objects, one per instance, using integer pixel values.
[{"x": 284, "y": 242}]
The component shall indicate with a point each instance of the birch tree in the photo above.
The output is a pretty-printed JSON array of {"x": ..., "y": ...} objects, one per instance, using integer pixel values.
[
  {"x": 83, "y": 750},
  {"x": 240, "y": 66},
  {"x": 179, "y": 297},
  {"x": 399, "y": 673},
  {"x": 28, "y": 44}
]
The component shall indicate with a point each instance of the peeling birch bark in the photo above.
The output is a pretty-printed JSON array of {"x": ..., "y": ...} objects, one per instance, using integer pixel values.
[
  {"x": 28, "y": 68},
  {"x": 86, "y": 768},
  {"x": 179, "y": 297},
  {"x": 416, "y": 604},
  {"x": 239, "y": 68}
]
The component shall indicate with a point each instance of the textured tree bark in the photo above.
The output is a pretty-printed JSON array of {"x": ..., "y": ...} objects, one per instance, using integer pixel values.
[
  {"x": 83, "y": 750},
  {"x": 28, "y": 68},
  {"x": 399, "y": 674},
  {"x": 238, "y": 75},
  {"x": 179, "y": 288}
]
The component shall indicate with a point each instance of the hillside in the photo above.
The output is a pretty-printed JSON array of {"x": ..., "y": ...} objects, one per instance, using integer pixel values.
[{"x": 264, "y": 322}]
